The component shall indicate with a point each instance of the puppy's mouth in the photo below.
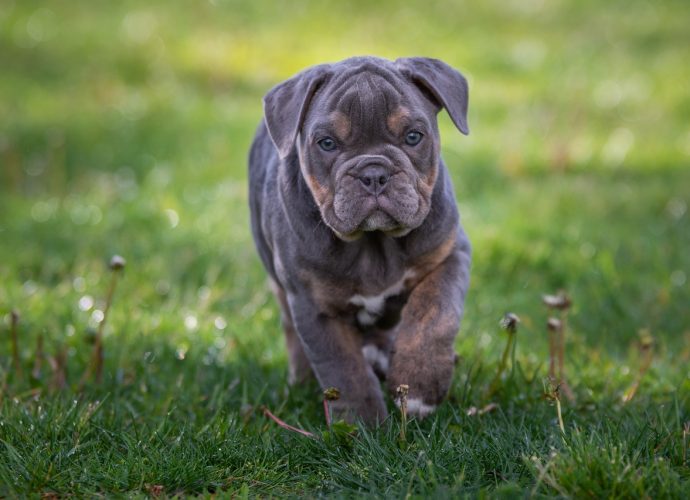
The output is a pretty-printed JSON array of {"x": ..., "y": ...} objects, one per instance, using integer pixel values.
[
  {"x": 379, "y": 220},
  {"x": 394, "y": 212}
]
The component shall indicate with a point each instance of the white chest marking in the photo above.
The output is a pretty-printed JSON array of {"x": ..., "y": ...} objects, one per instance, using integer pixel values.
[{"x": 372, "y": 305}]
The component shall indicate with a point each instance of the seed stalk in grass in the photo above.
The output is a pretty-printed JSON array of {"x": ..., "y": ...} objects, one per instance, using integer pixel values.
[
  {"x": 553, "y": 394},
  {"x": 117, "y": 264},
  {"x": 330, "y": 394},
  {"x": 38, "y": 360},
  {"x": 509, "y": 323},
  {"x": 14, "y": 322},
  {"x": 646, "y": 350},
  {"x": 401, "y": 393},
  {"x": 58, "y": 364},
  {"x": 556, "y": 328},
  {"x": 686, "y": 434}
]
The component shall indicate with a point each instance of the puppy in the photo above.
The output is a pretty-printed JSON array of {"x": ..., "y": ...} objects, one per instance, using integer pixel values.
[{"x": 354, "y": 217}]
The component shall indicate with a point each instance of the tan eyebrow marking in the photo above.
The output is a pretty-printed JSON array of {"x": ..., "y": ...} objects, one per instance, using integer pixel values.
[
  {"x": 341, "y": 125},
  {"x": 396, "y": 120}
]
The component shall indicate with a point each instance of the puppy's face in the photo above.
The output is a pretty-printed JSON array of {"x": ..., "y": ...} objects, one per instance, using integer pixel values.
[
  {"x": 367, "y": 138},
  {"x": 369, "y": 152}
]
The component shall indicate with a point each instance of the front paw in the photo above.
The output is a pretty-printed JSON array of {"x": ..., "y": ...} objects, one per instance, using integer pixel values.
[
  {"x": 371, "y": 410},
  {"x": 427, "y": 381}
]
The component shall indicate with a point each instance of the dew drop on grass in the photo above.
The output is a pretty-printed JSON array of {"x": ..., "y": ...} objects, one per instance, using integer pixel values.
[
  {"x": 190, "y": 322},
  {"x": 173, "y": 217},
  {"x": 97, "y": 315},
  {"x": 86, "y": 303}
]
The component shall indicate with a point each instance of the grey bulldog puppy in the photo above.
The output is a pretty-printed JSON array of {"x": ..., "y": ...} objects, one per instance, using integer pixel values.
[{"x": 355, "y": 220}]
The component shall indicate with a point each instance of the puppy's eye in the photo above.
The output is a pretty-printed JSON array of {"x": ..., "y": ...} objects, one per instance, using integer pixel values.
[
  {"x": 412, "y": 138},
  {"x": 327, "y": 144}
]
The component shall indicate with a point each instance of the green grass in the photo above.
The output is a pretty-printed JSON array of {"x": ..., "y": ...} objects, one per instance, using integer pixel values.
[{"x": 124, "y": 128}]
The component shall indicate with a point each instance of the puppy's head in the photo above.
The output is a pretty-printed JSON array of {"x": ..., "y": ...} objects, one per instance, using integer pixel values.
[{"x": 366, "y": 134}]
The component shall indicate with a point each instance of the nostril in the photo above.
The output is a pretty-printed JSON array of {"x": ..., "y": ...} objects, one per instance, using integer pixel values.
[{"x": 374, "y": 178}]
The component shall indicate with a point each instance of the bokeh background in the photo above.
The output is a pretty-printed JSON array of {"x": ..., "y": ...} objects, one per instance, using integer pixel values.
[{"x": 125, "y": 126}]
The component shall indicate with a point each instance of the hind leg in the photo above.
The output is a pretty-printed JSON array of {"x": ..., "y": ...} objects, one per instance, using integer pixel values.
[{"x": 300, "y": 368}]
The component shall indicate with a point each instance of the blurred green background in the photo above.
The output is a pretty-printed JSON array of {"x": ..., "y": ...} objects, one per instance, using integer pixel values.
[{"x": 125, "y": 126}]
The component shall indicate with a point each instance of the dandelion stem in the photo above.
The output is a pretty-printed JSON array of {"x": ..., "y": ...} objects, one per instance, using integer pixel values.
[
  {"x": 686, "y": 433},
  {"x": 402, "y": 390},
  {"x": 553, "y": 326},
  {"x": 330, "y": 394},
  {"x": 509, "y": 324},
  {"x": 117, "y": 263},
  {"x": 59, "y": 369},
  {"x": 560, "y": 413},
  {"x": 38, "y": 361},
  {"x": 15, "y": 344},
  {"x": 647, "y": 353}
]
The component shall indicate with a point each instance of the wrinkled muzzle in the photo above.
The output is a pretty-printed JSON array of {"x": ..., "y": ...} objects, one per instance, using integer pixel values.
[{"x": 373, "y": 194}]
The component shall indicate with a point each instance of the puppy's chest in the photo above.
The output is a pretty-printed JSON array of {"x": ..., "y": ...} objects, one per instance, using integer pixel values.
[{"x": 381, "y": 306}]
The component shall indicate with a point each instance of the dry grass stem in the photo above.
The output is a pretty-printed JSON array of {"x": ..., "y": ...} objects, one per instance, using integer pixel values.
[{"x": 285, "y": 425}]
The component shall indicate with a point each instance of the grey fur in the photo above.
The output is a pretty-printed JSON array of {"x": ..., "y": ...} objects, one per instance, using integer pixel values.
[{"x": 328, "y": 236}]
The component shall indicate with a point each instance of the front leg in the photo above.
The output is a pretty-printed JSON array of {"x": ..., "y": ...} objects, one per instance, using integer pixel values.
[
  {"x": 334, "y": 349},
  {"x": 423, "y": 354}
]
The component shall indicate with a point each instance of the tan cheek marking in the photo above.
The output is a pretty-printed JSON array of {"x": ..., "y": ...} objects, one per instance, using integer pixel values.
[
  {"x": 426, "y": 182},
  {"x": 397, "y": 119},
  {"x": 321, "y": 193},
  {"x": 341, "y": 125}
]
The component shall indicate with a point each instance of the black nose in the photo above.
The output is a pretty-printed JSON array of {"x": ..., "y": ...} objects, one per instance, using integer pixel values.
[{"x": 374, "y": 178}]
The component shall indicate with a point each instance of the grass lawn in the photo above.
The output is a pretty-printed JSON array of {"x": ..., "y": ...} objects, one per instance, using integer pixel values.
[{"x": 124, "y": 129}]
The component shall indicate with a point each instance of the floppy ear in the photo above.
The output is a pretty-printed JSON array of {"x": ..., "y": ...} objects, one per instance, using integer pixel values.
[
  {"x": 286, "y": 104},
  {"x": 446, "y": 85}
]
